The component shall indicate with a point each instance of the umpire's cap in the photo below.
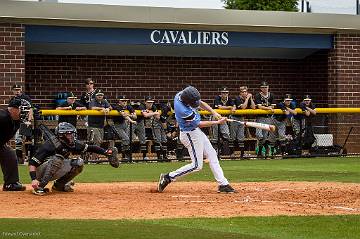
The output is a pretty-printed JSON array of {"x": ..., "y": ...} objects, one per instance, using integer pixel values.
[
  {"x": 16, "y": 87},
  {"x": 190, "y": 96},
  {"x": 122, "y": 98},
  {"x": 307, "y": 97},
  {"x": 15, "y": 103},
  {"x": 264, "y": 84}
]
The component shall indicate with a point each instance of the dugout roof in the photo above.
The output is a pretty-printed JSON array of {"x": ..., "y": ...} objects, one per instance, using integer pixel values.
[{"x": 63, "y": 28}]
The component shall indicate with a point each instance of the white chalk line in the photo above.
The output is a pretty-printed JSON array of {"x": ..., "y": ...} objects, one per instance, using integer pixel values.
[
  {"x": 198, "y": 201},
  {"x": 248, "y": 199},
  {"x": 185, "y": 196}
]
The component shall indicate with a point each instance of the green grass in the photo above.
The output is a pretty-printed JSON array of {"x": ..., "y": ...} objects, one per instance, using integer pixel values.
[
  {"x": 297, "y": 227},
  {"x": 313, "y": 169},
  {"x": 314, "y": 227}
]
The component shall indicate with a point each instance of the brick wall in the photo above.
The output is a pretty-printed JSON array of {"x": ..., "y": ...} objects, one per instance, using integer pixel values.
[
  {"x": 162, "y": 77},
  {"x": 344, "y": 87},
  {"x": 12, "y": 58}
]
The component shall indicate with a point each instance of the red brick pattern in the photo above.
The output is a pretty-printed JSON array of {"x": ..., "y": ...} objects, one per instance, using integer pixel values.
[
  {"x": 344, "y": 87},
  {"x": 162, "y": 77},
  {"x": 12, "y": 58}
]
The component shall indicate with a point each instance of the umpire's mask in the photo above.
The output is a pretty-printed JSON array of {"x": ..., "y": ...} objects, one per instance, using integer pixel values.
[{"x": 66, "y": 133}]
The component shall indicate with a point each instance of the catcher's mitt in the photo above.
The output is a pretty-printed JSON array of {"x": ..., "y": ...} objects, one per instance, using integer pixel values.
[{"x": 112, "y": 157}]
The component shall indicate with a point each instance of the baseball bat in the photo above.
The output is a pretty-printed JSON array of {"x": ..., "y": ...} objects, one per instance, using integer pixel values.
[{"x": 267, "y": 127}]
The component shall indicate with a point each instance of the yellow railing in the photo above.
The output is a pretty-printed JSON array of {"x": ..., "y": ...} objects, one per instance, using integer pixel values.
[{"x": 222, "y": 112}]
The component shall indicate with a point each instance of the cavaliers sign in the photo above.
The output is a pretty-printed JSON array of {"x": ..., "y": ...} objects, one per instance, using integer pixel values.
[{"x": 178, "y": 37}]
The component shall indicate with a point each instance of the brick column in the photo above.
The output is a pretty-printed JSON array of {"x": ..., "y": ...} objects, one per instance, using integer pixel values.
[
  {"x": 12, "y": 58},
  {"x": 344, "y": 88}
]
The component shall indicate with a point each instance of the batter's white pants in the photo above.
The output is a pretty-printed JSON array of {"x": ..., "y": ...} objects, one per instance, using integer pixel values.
[{"x": 199, "y": 147}]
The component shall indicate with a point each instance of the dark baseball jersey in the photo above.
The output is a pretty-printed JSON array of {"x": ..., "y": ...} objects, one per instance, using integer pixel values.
[
  {"x": 8, "y": 127},
  {"x": 263, "y": 100},
  {"x": 48, "y": 149},
  {"x": 120, "y": 119},
  {"x": 72, "y": 119},
  {"x": 142, "y": 107},
  {"x": 87, "y": 97},
  {"x": 303, "y": 107},
  {"x": 239, "y": 101},
  {"x": 97, "y": 121},
  {"x": 219, "y": 102},
  {"x": 23, "y": 97},
  {"x": 282, "y": 106}
]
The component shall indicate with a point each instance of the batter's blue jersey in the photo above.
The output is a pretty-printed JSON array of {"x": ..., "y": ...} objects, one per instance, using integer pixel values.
[{"x": 187, "y": 117}]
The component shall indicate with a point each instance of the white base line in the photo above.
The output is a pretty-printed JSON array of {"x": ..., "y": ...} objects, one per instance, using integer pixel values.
[
  {"x": 248, "y": 199},
  {"x": 185, "y": 196},
  {"x": 198, "y": 201},
  {"x": 346, "y": 208}
]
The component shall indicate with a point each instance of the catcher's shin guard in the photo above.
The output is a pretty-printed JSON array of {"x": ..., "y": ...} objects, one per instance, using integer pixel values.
[
  {"x": 64, "y": 183},
  {"x": 54, "y": 164}
]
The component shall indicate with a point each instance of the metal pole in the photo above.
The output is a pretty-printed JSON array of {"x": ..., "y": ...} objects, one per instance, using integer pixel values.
[
  {"x": 130, "y": 139},
  {"x": 357, "y": 7},
  {"x": 302, "y": 5}
]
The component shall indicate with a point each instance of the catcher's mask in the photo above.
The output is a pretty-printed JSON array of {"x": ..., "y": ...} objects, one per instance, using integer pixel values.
[
  {"x": 66, "y": 133},
  {"x": 24, "y": 108}
]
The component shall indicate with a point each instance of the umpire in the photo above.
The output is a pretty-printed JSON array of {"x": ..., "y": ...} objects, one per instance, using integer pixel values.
[{"x": 10, "y": 120}]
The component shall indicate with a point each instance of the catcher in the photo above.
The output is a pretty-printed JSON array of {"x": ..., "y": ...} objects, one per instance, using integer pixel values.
[{"x": 51, "y": 161}]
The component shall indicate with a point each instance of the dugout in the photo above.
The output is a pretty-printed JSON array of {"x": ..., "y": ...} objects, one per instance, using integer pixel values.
[{"x": 151, "y": 50}]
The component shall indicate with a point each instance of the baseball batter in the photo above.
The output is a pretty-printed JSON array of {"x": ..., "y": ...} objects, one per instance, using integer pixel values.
[{"x": 186, "y": 103}]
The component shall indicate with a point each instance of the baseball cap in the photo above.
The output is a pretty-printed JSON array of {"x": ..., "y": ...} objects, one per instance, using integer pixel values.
[
  {"x": 16, "y": 87},
  {"x": 71, "y": 95},
  {"x": 15, "y": 103},
  {"x": 149, "y": 99},
  {"x": 264, "y": 84},
  {"x": 307, "y": 97},
  {"x": 122, "y": 97},
  {"x": 288, "y": 97},
  {"x": 224, "y": 90},
  {"x": 100, "y": 92}
]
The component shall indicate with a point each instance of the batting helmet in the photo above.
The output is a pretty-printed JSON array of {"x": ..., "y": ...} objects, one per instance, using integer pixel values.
[
  {"x": 67, "y": 133},
  {"x": 190, "y": 96}
]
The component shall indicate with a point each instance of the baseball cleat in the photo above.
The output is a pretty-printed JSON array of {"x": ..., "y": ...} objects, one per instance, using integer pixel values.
[
  {"x": 14, "y": 187},
  {"x": 226, "y": 189},
  {"x": 163, "y": 182}
]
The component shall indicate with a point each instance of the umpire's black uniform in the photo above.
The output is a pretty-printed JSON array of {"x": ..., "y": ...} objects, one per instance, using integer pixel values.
[{"x": 8, "y": 159}]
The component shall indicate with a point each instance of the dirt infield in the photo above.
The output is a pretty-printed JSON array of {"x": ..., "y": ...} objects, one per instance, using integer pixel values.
[{"x": 184, "y": 199}]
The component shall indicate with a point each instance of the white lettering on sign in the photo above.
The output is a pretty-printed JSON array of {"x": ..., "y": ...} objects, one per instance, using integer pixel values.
[{"x": 189, "y": 37}]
